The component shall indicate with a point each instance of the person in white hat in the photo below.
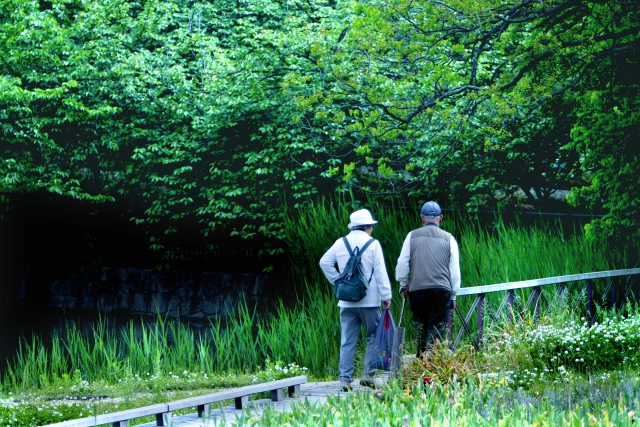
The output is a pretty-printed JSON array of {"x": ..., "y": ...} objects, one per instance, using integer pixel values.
[
  {"x": 428, "y": 270},
  {"x": 365, "y": 312}
]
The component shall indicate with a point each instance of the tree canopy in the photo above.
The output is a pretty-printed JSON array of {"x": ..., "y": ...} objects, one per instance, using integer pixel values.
[{"x": 222, "y": 112}]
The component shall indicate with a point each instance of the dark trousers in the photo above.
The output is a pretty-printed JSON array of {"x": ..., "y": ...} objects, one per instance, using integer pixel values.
[{"x": 430, "y": 309}]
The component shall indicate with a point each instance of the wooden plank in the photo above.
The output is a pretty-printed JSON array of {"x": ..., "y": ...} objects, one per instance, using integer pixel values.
[
  {"x": 115, "y": 417},
  {"x": 236, "y": 393},
  {"x": 474, "y": 290}
]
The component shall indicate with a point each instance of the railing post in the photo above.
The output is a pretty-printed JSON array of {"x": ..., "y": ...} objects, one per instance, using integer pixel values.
[
  {"x": 510, "y": 305},
  {"x": 612, "y": 294},
  {"x": 589, "y": 296},
  {"x": 536, "y": 303},
  {"x": 480, "y": 318},
  {"x": 629, "y": 289},
  {"x": 164, "y": 419},
  {"x": 204, "y": 410}
]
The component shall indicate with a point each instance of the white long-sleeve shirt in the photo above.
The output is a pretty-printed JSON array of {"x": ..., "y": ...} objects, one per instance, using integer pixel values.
[
  {"x": 379, "y": 287},
  {"x": 402, "y": 268}
]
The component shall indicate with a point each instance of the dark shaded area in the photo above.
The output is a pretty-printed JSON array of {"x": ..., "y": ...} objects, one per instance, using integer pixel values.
[
  {"x": 50, "y": 242},
  {"x": 60, "y": 258},
  {"x": 57, "y": 233}
]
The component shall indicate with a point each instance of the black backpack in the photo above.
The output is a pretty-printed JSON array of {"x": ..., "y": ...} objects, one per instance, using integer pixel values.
[{"x": 351, "y": 284}]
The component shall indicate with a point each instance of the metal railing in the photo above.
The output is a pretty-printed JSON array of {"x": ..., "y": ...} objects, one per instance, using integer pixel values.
[{"x": 610, "y": 293}]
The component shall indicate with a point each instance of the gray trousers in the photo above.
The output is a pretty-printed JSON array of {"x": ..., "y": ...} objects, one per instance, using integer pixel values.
[{"x": 350, "y": 321}]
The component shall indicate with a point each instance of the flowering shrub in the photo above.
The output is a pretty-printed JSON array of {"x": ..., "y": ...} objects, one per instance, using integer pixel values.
[
  {"x": 14, "y": 413},
  {"x": 277, "y": 371},
  {"x": 553, "y": 351}
]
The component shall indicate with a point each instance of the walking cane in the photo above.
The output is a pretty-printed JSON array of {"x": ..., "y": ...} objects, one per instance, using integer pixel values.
[{"x": 398, "y": 344}]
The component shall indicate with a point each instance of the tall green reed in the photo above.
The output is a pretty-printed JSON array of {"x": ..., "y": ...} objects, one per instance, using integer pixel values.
[
  {"x": 307, "y": 334},
  {"x": 490, "y": 253},
  {"x": 307, "y": 331}
]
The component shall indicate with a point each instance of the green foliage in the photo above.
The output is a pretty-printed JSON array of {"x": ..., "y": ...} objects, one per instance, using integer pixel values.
[
  {"x": 216, "y": 112},
  {"x": 606, "y": 135},
  {"x": 475, "y": 100},
  {"x": 170, "y": 108}
]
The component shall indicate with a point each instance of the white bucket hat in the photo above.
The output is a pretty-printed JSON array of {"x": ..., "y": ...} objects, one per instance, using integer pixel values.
[{"x": 361, "y": 217}]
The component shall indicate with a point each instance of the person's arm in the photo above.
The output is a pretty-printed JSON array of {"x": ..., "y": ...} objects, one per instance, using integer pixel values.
[
  {"x": 454, "y": 268},
  {"x": 402, "y": 267},
  {"x": 328, "y": 264},
  {"x": 380, "y": 272}
]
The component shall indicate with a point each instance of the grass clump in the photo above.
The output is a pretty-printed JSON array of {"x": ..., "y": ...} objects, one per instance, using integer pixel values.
[
  {"x": 465, "y": 403},
  {"x": 441, "y": 365}
]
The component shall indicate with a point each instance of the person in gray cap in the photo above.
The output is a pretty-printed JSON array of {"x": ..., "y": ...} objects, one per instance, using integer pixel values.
[
  {"x": 365, "y": 312},
  {"x": 428, "y": 270}
]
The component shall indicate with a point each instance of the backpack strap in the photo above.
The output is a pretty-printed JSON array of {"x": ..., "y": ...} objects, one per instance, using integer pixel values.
[
  {"x": 360, "y": 251},
  {"x": 346, "y": 243},
  {"x": 366, "y": 245}
]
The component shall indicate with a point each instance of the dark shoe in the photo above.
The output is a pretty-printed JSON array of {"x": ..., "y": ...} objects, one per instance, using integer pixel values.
[
  {"x": 367, "y": 381},
  {"x": 345, "y": 386}
]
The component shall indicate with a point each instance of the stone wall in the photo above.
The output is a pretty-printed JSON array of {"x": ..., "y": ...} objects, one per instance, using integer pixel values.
[{"x": 195, "y": 295}]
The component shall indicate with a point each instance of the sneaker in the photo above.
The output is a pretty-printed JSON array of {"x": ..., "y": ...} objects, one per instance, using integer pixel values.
[
  {"x": 367, "y": 381},
  {"x": 345, "y": 386}
]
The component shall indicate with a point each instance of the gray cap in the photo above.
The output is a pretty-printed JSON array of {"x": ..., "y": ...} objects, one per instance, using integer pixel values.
[{"x": 431, "y": 210}]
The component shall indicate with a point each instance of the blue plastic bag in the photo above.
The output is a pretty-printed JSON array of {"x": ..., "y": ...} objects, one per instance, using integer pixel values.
[{"x": 384, "y": 340}]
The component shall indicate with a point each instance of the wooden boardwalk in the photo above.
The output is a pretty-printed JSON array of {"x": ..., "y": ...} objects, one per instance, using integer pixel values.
[
  {"x": 313, "y": 392},
  {"x": 208, "y": 411}
]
